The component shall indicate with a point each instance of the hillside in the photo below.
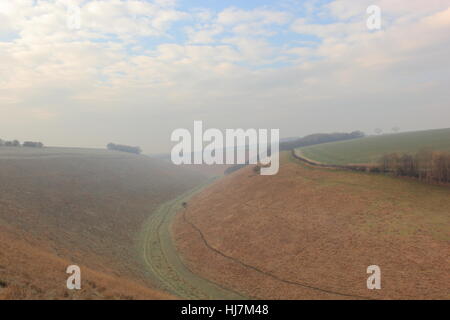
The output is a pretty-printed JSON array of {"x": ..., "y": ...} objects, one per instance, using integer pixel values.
[
  {"x": 370, "y": 149},
  {"x": 29, "y": 269},
  {"x": 311, "y": 233},
  {"x": 61, "y": 206}
]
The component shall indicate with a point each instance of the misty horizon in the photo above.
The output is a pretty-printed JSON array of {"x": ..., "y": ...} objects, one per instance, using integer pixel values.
[{"x": 301, "y": 67}]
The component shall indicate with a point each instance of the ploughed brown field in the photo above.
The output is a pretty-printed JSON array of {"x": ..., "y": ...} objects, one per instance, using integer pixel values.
[
  {"x": 60, "y": 207},
  {"x": 311, "y": 233}
]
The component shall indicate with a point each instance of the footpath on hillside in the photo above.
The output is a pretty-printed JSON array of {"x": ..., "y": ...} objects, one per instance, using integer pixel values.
[{"x": 164, "y": 264}]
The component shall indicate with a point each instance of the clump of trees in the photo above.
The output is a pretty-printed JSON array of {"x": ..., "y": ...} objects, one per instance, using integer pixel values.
[
  {"x": 16, "y": 143},
  {"x": 33, "y": 144},
  {"x": 426, "y": 165},
  {"x": 13, "y": 143},
  {"x": 124, "y": 148}
]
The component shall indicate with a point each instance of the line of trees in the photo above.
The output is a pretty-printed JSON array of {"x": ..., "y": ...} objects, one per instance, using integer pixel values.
[
  {"x": 16, "y": 143},
  {"x": 426, "y": 165},
  {"x": 124, "y": 148},
  {"x": 319, "y": 138}
]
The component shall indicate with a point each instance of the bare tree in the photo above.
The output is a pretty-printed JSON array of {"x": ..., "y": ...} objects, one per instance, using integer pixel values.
[{"x": 426, "y": 165}]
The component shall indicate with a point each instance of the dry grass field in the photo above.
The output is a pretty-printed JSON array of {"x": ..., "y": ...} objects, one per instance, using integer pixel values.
[
  {"x": 83, "y": 207},
  {"x": 306, "y": 233},
  {"x": 311, "y": 233},
  {"x": 29, "y": 269}
]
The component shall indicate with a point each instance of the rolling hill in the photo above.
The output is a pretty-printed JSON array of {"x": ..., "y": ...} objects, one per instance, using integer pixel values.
[
  {"x": 311, "y": 233},
  {"x": 370, "y": 149},
  {"x": 63, "y": 206}
]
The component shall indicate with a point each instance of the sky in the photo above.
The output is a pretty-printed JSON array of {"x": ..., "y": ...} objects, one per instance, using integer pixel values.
[{"x": 133, "y": 71}]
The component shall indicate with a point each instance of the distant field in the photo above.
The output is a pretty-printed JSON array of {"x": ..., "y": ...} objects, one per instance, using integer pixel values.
[{"x": 370, "y": 149}]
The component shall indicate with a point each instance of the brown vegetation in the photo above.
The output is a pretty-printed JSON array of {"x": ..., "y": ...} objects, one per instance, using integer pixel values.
[
  {"x": 82, "y": 208},
  {"x": 311, "y": 233},
  {"x": 426, "y": 165},
  {"x": 29, "y": 269}
]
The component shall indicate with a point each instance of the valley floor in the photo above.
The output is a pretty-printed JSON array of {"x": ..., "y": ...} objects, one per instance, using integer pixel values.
[{"x": 163, "y": 262}]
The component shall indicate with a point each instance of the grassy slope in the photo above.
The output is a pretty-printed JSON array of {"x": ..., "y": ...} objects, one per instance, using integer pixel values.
[
  {"x": 84, "y": 206},
  {"x": 29, "y": 269},
  {"x": 277, "y": 236},
  {"x": 370, "y": 149}
]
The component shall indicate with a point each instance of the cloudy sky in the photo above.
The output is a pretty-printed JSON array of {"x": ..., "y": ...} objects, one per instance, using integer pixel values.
[{"x": 136, "y": 70}]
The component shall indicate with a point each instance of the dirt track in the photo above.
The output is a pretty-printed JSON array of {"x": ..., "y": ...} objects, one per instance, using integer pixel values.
[{"x": 164, "y": 264}]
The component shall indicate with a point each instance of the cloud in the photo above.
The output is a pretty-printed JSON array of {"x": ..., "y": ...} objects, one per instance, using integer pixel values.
[
  {"x": 138, "y": 69},
  {"x": 127, "y": 19},
  {"x": 233, "y": 16},
  {"x": 239, "y": 23}
]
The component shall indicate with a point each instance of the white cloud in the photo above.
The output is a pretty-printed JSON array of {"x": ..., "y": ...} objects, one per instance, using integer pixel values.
[
  {"x": 240, "y": 23},
  {"x": 105, "y": 78},
  {"x": 204, "y": 33},
  {"x": 233, "y": 16},
  {"x": 130, "y": 18}
]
